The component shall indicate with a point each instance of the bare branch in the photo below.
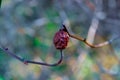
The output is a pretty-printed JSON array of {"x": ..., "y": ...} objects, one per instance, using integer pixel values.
[
  {"x": 32, "y": 62},
  {"x": 89, "y": 44}
]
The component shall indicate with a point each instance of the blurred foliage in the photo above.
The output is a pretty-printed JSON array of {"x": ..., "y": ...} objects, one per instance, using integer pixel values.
[{"x": 27, "y": 28}]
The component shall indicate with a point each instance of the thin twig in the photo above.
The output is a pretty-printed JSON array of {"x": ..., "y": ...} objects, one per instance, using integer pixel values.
[
  {"x": 46, "y": 64},
  {"x": 89, "y": 44},
  {"x": 6, "y": 50}
]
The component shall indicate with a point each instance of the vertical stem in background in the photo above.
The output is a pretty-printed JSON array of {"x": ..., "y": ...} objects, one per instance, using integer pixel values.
[
  {"x": 64, "y": 18},
  {"x": 90, "y": 37},
  {"x": 92, "y": 30},
  {"x": 95, "y": 22}
]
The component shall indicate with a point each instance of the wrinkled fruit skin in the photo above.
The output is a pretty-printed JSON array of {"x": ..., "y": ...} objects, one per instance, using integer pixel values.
[{"x": 61, "y": 39}]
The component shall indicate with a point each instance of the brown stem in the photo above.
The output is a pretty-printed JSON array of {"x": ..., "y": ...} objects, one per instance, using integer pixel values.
[
  {"x": 32, "y": 62},
  {"x": 87, "y": 43},
  {"x": 46, "y": 64}
]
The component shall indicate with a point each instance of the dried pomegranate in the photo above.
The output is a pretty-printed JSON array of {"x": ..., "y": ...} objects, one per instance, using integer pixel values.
[{"x": 61, "y": 39}]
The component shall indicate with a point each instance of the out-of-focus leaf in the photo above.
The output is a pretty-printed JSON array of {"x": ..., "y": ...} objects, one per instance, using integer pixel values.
[
  {"x": 36, "y": 42},
  {"x": 96, "y": 76},
  {"x": 51, "y": 28},
  {"x": 85, "y": 70},
  {"x": 50, "y": 13},
  {"x": 1, "y": 78},
  {"x": 106, "y": 77},
  {"x": 61, "y": 68}
]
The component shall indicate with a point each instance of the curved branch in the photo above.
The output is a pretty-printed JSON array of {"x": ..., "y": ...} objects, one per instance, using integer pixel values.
[
  {"x": 46, "y": 64},
  {"x": 32, "y": 62},
  {"x": 96, "y": 45},
  {"x": 87, "y": 43}
]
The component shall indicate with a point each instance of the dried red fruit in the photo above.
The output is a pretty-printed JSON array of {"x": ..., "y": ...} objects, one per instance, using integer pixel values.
[{"x": 61, "y": 39}]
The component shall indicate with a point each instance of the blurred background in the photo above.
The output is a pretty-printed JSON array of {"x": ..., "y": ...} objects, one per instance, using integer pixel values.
[{"x": 27, "y": 28}]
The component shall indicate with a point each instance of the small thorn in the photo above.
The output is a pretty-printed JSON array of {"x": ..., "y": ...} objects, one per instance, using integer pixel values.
[
  {"x": 64, "y": 28},
  {"x": 84, "y": 40},
  {"x": 25, "y": 62}
]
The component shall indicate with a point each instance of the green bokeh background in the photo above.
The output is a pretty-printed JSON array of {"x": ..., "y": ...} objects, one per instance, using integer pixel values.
[{"x": 27, "y": 28}]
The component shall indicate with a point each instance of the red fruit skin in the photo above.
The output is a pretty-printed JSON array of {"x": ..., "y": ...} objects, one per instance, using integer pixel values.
[{"x": 61, "y": 39}]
